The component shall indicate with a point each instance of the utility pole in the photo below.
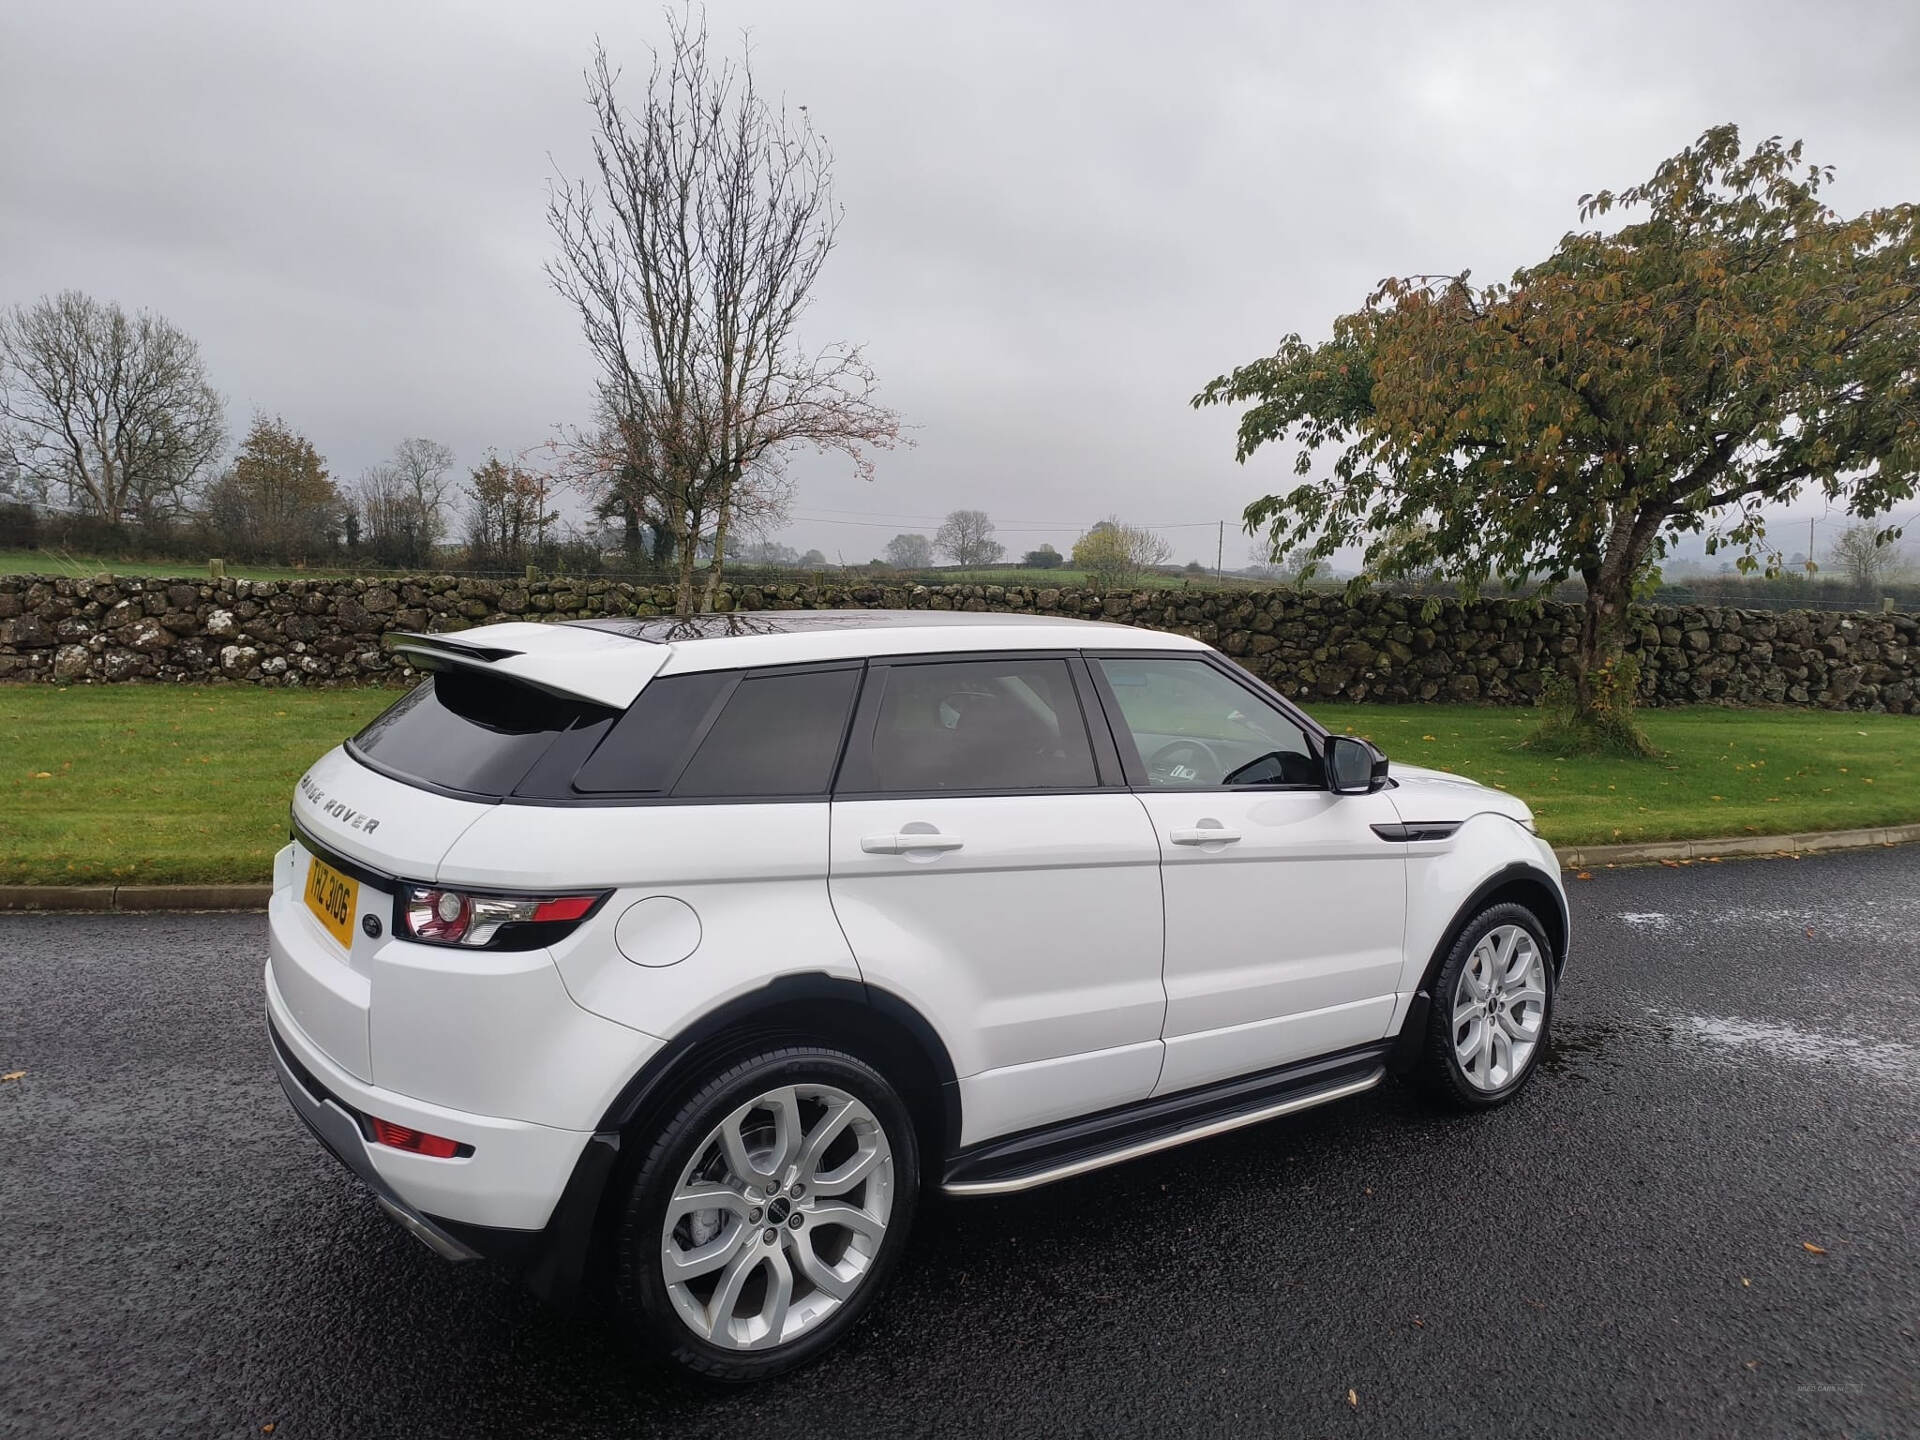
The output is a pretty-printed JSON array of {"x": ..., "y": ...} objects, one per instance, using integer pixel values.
[
  {"x": 1220, "y": 553},
  {"x": 1811, "y": 567}
]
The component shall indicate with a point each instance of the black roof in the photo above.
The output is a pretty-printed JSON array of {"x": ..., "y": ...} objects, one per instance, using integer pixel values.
[{"x": 667, "y": 629}]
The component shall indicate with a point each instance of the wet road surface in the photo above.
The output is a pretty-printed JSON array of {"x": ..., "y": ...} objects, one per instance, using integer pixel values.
[{"x": 1621, "y": 1252}]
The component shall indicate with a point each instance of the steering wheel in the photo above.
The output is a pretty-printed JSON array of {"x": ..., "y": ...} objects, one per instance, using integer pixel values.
[{"x": 1195, "y": 757}]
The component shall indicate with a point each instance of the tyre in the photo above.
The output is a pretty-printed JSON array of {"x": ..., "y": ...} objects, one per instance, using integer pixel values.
[
  {"x": 1492, "y": 1003},
  {"x": 769, "y": 1213}
]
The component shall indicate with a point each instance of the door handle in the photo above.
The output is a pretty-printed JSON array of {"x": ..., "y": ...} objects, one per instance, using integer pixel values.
[
  {"x": 1208, "y": 835},
  {"x": 905, "y": 843}
]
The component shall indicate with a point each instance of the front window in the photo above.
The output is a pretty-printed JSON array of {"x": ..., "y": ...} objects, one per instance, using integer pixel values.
[{"x": 1198, "y": 729}]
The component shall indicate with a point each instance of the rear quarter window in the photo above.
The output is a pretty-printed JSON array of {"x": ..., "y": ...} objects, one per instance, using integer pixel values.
[{"x": 469, "y": 732}]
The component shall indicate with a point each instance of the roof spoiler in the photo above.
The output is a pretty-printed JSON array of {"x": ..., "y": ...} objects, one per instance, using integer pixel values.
[{"x": 606, "y": 671}]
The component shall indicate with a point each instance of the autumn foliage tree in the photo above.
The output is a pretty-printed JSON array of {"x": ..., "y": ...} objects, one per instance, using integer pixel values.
[
  {"x": 277, "y": 497},
  {"x": 1113, "y": 553},
  {"x": 1735, "y": 344}
]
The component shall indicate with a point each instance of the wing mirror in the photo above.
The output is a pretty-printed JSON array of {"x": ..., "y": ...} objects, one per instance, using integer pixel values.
[{"x": 1354, "y": 767}]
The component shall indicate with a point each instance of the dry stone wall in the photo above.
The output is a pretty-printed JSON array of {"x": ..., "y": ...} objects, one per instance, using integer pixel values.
[{"x": 1317, "y": 647}]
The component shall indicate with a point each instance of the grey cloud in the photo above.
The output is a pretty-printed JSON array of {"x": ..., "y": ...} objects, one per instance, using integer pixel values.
[{"x": 1061, "y": 219}]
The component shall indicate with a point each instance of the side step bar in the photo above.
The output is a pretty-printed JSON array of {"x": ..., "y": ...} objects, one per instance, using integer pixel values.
[{"x": 1040, "y": 1157}]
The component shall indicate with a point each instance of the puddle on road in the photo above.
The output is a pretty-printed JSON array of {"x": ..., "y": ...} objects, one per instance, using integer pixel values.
[
  {"x": 1772, "y": 1040},
  {"x": 1573, "y": 1046}
]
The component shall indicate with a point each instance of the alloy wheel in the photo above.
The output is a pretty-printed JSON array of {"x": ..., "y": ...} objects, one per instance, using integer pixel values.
[
  {"x": 1499, "y": 1007},
  {"x": 778, "y": 1218}
]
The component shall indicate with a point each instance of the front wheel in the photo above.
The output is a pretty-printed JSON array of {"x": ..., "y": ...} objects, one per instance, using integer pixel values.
[
  {"x": 1492, "y": 1002},
  {"x": 769, "y": 1212}
]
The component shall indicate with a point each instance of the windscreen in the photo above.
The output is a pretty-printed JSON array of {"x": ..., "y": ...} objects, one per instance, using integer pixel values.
[{"x": 471, "y": 732}]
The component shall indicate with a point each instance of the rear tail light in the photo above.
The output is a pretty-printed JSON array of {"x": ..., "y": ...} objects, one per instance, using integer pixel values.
[
  {"x": 417, "y": 1142},
  {"x": 459, "y": 917}
]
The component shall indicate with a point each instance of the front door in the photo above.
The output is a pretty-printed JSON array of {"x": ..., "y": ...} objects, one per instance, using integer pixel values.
[
  {"x": 1285, "y": 913},
  {"x": 983, "y": 872}
]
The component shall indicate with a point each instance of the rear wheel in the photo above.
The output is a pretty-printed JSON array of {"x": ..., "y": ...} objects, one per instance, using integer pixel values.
[
  {"x": 769, "y": 1213},
  {"x": 1492, "y": 1002}
]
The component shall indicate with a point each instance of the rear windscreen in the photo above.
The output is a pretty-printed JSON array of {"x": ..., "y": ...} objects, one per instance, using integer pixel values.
[{"x": 471, "y": 732}]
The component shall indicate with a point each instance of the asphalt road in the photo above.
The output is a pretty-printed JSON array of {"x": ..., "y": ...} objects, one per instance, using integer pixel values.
[{"x": 1622, "y": 1252}]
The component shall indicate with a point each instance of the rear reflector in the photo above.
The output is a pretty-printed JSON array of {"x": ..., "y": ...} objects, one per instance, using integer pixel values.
[
  {"x": 417, "y": 1142},
  {"x": 571, "y": 908}
]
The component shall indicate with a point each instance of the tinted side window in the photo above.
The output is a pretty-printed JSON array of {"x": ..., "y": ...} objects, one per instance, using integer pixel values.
[
  {"x": 647, "y": 745},
  {"x": 980, "y": 725},
  {"x": 1195, "y": 727},
  {"x": 778, "y": 735},
  {"x": 470, "y": 732}
]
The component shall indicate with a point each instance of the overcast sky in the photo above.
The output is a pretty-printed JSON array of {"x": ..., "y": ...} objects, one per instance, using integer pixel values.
[{"x": 1061, "y": 219}]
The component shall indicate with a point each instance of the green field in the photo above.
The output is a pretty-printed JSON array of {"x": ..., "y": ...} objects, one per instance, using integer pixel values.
[
  {"x": 1724, "y": 772},
  {"x": 85, "y": 567},
  {"x": 164, "y": 784}
]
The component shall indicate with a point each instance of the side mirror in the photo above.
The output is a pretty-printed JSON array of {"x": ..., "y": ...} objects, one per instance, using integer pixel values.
[{"x": 1353, "y": 766}]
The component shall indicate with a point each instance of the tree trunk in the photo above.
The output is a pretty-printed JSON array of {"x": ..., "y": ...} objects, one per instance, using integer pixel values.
[
  {"x": 1603, "y": 627},
  {"x": 689, "y": 541},
  {"x": 718, "y": 563}
]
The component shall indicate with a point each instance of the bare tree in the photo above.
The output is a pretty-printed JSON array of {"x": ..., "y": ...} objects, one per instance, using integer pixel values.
[
  {"x": 114, "y": 410},
  {"x": 967, "y": 536},
  {"x": 690, "y": 254},
  {"x": 1861, "y": 552},
  {"x": 402, "y": 502},
  {"x": 910, "y": 552}
]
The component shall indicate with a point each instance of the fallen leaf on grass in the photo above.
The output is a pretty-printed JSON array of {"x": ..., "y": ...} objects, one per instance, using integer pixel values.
[
  {"x": 1811, "y": 1248},
  {"x": 12, "y": 1075},
  {"x": 43, "y": 775}
]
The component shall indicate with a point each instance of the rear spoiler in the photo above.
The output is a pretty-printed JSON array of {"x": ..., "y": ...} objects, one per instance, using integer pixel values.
[{"x": 569, "y": 661}]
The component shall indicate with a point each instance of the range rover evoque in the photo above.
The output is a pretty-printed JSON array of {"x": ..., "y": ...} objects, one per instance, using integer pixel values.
[{"x": 686, "y": 952}]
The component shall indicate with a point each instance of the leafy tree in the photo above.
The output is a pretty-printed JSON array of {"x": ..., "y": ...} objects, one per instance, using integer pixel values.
[
  {"x": 910, "y": 552},
  {"x": 967, "y": 537},
  {"x": 1114, "y": 554},
  {"x": 1045, "y": 558},
  {"x": 1733, "y": 346},
  {"x": 112, "y": 410},
  {"x": 277, "y": 497},
  {"x": 813, "y": 560},
  {"x": 507, "y": 513},
  {"x": 1864, "y": 555}
]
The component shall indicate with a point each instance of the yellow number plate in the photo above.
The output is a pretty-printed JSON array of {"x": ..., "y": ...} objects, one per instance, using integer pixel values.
[{"x": 332, "y": 897}]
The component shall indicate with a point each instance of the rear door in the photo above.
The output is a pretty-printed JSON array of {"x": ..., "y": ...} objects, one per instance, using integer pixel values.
[
  {"x": 1285, "y": 912},
  {"x": 988, "y": 866}
]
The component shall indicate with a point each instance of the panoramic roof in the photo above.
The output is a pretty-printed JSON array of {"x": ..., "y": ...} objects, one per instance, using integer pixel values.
[{"x": 672, "y": 629}]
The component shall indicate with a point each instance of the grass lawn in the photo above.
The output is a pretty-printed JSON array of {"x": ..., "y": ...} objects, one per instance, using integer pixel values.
[
  {"x": 169, "y": 784},
  {"x": 85, "y": 567},
  {"x": 158, "y": 784},
  {"x": 1725, "y": 772}
]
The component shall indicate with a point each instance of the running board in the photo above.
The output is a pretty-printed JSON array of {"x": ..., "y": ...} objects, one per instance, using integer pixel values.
[{"x": 1058, "y": 1152}]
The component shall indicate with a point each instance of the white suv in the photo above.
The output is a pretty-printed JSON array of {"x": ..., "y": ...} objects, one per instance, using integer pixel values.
[{"x": 688, "y": 951}]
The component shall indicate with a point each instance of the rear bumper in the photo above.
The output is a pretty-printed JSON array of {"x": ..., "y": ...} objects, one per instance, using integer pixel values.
[
  {"x": 551, "y": 1259},
  {"x": 337, "y": 1129}
]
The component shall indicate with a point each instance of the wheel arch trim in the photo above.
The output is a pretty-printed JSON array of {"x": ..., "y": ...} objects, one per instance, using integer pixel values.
[{"x": 1519, "y": 881}]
